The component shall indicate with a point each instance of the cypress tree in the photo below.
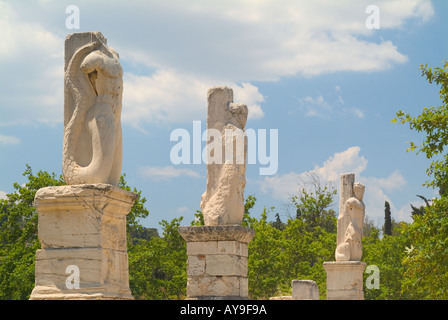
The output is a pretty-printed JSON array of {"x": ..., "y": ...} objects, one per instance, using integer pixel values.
[{"x": 387, "y": 219}]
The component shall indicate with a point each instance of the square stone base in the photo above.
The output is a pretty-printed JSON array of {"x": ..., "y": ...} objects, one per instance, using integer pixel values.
[
  {"x": 345, "y": 280},
  {"x": 217, "y": 261},
  {"x": 82, "y": 231}
]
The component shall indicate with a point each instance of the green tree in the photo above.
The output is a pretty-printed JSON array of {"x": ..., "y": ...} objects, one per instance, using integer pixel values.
[
  {"x": 278, "y": 224},
  {"x": 18, "y": 232},
  {"x": 433, "y": 121},
  {"x": 387, "y": 219},
  {"x": 313, "y": 205},
  {"x": 426, "y": 276},
  {"x": 138, "y": 212},
  {"x": 420, "y": 210},
  {"x": 426, "y": 261},
  {"x": 265, "y": 265},
  {"x": 387, "y": 254},
  {"x": 296, "y": 250},
  {"x": 18, "y": 235},
  {"x": 157, "y": 267}
]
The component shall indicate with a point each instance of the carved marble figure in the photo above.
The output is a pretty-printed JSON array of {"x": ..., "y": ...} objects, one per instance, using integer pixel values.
[
  {"x": 223, "y": 201},
  {"x": 92, "y": 149},
  {"x": 351, "y": 248}
]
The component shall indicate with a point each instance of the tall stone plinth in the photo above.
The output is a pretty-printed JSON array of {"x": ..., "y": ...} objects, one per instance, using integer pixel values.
[
  {"x": 345, "y": 280},
  {"x": 217, "y": 261},
  {"x": 82, "y": 231}
]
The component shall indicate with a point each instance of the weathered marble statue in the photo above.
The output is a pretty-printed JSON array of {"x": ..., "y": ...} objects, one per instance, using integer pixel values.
[
  {"x": 82, "y": 225},
  {"x": 223, "y": 201},
  {"x": 350, "y": 248},
  {"x": 92, "y": 150}
]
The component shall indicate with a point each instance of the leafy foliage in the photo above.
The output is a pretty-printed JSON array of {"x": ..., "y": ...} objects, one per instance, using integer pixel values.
[
  {"x": 282, "y": 252},
  {"x": 387, "y": 254},
  {"x": 426, "y": 275},
  {"x": 157, "y": 267},
  {"x": 433, "y": 121},
  {"x": 426, "y": 262},
  {"x": 18, "y": 235}
]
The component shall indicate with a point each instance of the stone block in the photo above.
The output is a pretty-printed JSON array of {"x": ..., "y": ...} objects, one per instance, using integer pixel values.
[
  {"x": 233, "y": 247},
  {"x": 226, "y": 265},
  {"x": 210, "y": 286},
  {"x": 196, "y": 265},
  {"x": 202, "y": 247},
  {"x": 304, "y": 290},
  {"x": 345, "y": 280}
]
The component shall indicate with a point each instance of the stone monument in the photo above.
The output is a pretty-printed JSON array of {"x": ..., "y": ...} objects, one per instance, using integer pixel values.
[
  {"x": 218, "y": 251},
  {"x": 345, "y": 275},
  {"x": 82, "y": 226}
]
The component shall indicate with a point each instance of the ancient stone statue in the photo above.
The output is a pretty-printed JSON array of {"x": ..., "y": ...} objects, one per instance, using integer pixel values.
[
  {"x": 350, "y": 249},
  {"x": 92, "y": 149},
  {"x": 223, "y": 201}
]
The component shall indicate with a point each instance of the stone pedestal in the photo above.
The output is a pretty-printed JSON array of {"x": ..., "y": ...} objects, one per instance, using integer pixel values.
[
  {"x": 82, "y": 231},
  {"x": 345, "y": 280},
  {"x": 217, "y": 261}
]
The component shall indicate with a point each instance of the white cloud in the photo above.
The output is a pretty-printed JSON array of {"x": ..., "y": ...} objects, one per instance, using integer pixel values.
[
  {"x": 282, "y": 187},
  {"x": 190, "y": 45},
  {"x": 3, "y": 195},
  {"x": 167, "y": 173},
  {"x": 8, "y": 140},
  {"x": 348, "y": 161},
  {"x": 167, "y": 96},
  {"x": 315, "y": 107},
  {"x": 164, "y": 96},
  {"x": 393, "y": 182},
  {"x": 32, "y": 70},
  {"x": 249, "y": 94}
]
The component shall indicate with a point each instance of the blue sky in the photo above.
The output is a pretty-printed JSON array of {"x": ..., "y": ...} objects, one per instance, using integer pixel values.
[{"x": 310, "y": 69}]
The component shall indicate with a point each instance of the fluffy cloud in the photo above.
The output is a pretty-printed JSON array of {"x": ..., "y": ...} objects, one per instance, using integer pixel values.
[
  {"x": 190, "y": 45},
  {"x": 32, "y": 71},
  {"x": 282, "y": 187},
  {"x": 167, "y": 96},
  {"x": 342, "y": 162},
  {"x": 247, "y": 40},
  {"x": 7, "y": 140}
]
